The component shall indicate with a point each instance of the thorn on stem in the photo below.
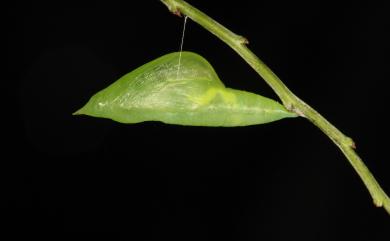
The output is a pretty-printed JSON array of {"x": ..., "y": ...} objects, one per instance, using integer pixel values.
[
  {"x": 378, "y": 203},
  {"x": 177, "y": 12},
  {"x": 353, "y": 145},
  {"x": 244, "y": 40},
  {"x": 172, "y": 6}
]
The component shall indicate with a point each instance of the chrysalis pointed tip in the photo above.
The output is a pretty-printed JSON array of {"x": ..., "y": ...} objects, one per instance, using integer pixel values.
[{"x": 79, "y": 112}]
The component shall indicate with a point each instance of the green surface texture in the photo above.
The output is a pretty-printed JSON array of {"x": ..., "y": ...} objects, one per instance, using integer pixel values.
[{"x": 190, "y": 94}]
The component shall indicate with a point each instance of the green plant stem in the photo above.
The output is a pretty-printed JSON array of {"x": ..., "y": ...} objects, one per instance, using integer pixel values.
[{"x": 290, "y": 101}]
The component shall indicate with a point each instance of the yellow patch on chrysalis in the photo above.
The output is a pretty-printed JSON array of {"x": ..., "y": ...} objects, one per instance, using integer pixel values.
[
  {"x": 228, "y": 96},
  {"x": 211, "y": 94}
]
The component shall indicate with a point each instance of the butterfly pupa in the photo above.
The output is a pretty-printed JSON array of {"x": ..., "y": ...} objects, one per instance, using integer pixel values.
[{"x": 194, "y": 96}]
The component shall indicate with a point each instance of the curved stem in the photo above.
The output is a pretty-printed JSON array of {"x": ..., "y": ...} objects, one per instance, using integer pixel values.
[{"x": 290, "y": 101}]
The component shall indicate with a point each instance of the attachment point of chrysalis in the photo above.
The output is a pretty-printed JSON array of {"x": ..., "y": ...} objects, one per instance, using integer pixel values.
[{"x": 290, "y": 107}]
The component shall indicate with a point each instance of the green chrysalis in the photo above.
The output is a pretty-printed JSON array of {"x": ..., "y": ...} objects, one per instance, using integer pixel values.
[{"x": 189, "y": 94}]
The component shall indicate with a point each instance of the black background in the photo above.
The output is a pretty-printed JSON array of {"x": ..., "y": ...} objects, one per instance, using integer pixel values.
[{"x": 150, "y": 181}]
